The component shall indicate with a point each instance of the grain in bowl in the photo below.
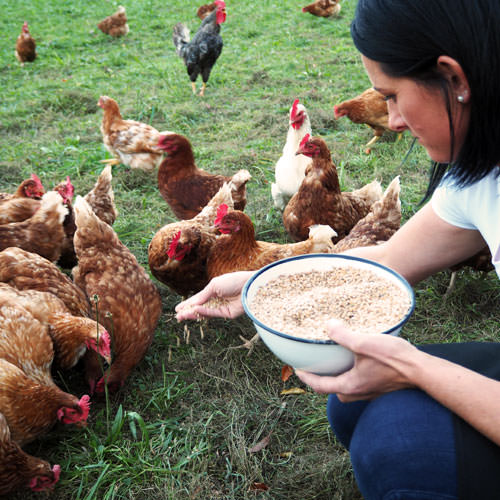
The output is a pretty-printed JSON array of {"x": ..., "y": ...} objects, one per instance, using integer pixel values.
[{"x": 290, "y": 314}]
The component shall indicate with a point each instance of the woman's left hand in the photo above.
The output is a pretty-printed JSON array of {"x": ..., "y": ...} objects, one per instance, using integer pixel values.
[{"x": 382, "y": 363}]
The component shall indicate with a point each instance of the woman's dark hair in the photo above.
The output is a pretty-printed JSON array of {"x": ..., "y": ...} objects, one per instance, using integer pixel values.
[{"x": 407, "y": 37}]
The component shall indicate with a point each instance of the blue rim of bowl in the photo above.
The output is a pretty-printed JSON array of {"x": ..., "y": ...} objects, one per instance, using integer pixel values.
[{"x": 248, "y": 284}]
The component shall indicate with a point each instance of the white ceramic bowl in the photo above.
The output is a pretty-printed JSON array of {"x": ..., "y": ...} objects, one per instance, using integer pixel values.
[{"x": 323, "y": 357}]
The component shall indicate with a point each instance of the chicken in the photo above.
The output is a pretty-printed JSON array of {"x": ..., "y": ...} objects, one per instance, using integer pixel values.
[
  {"x": 23, "y": 203},
  {"x": 185, "y": 187},
  {"x": 319, "y": 199},
  {"x": 131, "y": 143},
  {"x": 42, "y": 233},
  {"x": 204, "y": 10},
  {"x": 71, "y": 335},
  {"x": 381, "y": 222},
  {"x": 290, "y": 169},
  {"x": 29, "y": 271},
  {"x": 115, "y": 25},
  {"x": 370, "y": 108},
  {"x": 32, "y": 409},
  {"x": 129, "y": 304},
  {"x": 29, "y": 188},
  {"x": 201, "y": 53},
  {"x": 178, "y": 252},
  {"x": 67, "y": 258},
  {"x": 25, "y": 46},
  {"x": 18, "y": 469},
  {"x": 238, "y": 250},
  {"x": 102, "y": 199},
  {"x": 323, "y": 8}
]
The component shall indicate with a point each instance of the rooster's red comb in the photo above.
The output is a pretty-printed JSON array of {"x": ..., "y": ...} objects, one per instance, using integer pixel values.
[
  {"x": 304, "y": 140},
  {"x": 293, "y": 112},
  {"x": 37, "y": 180}
]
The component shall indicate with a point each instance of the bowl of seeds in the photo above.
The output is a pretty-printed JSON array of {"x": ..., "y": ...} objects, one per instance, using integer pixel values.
[{"x": 291, "y": 300}]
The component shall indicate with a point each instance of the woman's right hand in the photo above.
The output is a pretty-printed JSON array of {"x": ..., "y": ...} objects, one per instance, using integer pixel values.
[{"x": 221, "y": 298}]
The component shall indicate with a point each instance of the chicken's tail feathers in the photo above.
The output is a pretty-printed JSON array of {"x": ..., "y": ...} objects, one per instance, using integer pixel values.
[
  {"x": 239, "y": 178},
  {"x": 389, "y": 205},
  {"x": 180, "y": 36},
  {"x": 224, "y": 195},
  {"x": 322, "y": 232},
  {"x": 370, "y": 192}
]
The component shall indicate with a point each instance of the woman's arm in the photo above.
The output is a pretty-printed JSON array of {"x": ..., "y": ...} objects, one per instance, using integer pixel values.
[
  {"x": 423, "y": 246},
  {"x": 384, "y": 363}
]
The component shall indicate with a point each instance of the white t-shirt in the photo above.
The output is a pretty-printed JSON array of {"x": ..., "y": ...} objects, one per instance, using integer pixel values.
[{"x": 473, "y": 207}]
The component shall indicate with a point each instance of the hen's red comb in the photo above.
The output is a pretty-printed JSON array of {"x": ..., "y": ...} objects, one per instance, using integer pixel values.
[
  {"x": 70, "y": 190},
  {"x": 173, "y": 245},
  {"x": 221, "y": 212},
  {"x": 37, "y": 180},
  {"x": 84, "y": 404},
  {"x": 293, "y": 113},
  {"x": 304, "y": 140}
]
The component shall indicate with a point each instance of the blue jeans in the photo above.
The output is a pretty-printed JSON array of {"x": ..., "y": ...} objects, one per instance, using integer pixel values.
[{"x": 402, "y": 445}]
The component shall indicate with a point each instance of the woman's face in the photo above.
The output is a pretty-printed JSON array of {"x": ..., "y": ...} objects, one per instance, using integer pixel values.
[{"x": 422, "y": 111}]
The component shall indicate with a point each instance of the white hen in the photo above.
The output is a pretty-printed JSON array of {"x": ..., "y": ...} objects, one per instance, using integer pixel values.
[{"x": 290, "y": 168}]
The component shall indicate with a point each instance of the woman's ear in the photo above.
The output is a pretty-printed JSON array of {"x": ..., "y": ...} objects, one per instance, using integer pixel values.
[{"x": 452, "y": 70}]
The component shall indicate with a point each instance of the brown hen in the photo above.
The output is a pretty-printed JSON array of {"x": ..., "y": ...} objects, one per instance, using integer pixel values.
[
  {"x": 102, "y": 199},
  {"x": 323, "y": 8},
  {"x": 115, "y": 25},
  {"x": 369, "y": 108},
  {"x": 19, "y": 470},
  {"x": 319, "y": 199},
  {"x": 42, "y": 233},
  {"x": 178, "y": 252},
  {"x": 132, "y": 143},
  {"x": 29, "y": 188},
  {"x": 129, "y": 304},
  {"x": 238, "y": 250},
  {"x": 25, "y": 46},
  {"x": 32, "y": 409},
  {"x": 30, "y": 271},
  {"x": 187, "y": 188}
]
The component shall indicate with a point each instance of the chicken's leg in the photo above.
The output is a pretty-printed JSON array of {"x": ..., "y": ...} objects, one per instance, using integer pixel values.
[
  {"x": 193, "y": 86},
  {"x": 110, "y": 161},
  {"x": 373, "y": 140},
  {"x": 202, "y": 91}
]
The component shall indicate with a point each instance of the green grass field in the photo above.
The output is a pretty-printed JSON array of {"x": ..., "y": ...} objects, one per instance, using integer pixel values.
[{"x": 184, "y": 424}]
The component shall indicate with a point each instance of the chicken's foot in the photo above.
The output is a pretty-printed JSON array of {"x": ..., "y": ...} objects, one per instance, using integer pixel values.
[
  {"x": 202, "y": 91},
  {"x": 373, "y": 140},
  {"x": 193, "y": 86}
]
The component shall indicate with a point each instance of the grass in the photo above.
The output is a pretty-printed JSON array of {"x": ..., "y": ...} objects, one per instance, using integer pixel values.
[{"x": 189, "y": 414}]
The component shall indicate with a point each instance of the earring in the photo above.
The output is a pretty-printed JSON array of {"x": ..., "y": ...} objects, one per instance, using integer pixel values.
[{"x": 461, "y": 98}]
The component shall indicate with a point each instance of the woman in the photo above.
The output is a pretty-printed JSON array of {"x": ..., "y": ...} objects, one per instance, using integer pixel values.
[{"x": 422, "y": 422}]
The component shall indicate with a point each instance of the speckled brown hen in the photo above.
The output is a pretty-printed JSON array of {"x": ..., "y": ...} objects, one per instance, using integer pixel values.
[
  {"x": 187, "y": 188},
  {"x": 381, "y": 222},
  {"x": 178, "y": 252},
  {"x": 30, "y": 271},
  {"x": 23, "y": 203},
  {"x": 42, "y": 233},
  {"x": 238, "y": 250},
  {"x": 319, "y": 199},
  {"x": 32, "y": 409},
  {"x": 29, "y": 188},
  {"x": 20, "y": 470},
  {"x": 71, "y": 335},
  {"x": 129, "y": 304},
  {"x": 116, "y": 24},
  {"x": 132, "y": 143}
]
